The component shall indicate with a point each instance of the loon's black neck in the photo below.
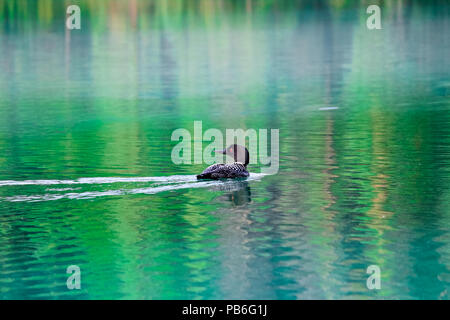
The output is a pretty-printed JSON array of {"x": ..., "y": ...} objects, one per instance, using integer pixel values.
[{"x": 238, "y": 155}]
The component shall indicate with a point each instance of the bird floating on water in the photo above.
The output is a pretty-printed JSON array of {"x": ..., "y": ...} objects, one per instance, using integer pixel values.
[{"x": 238, "y": 169}]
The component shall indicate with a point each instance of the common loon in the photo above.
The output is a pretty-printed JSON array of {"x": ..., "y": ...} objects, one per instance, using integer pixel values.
[{"x": 238, "y": 169}]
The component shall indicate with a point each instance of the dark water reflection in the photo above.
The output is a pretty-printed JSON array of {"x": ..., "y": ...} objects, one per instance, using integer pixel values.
[{"x": 364, "y": 150}]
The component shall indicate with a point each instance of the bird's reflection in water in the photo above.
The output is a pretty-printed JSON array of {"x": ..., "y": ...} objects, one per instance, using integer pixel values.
[{"x": 238, "y": 192}]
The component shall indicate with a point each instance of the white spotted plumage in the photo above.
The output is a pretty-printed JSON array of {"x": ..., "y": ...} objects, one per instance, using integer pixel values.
[
  {"x": 225, "y": 170},
  {"x": 229, "y": 170}
]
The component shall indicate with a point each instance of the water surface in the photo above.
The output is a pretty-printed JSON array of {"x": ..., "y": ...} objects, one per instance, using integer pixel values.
[{"x": 86, "y": 176}]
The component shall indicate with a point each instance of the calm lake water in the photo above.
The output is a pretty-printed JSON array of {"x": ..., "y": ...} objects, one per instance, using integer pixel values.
[{"x": 86, "y": 176}]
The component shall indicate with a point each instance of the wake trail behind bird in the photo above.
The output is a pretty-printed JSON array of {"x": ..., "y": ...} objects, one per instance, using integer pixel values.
[
  {"x": 99, "y": 180},
  {"x": 168, "y": 183}
]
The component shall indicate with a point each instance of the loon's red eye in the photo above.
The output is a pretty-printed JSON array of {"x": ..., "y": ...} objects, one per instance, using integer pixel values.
[{"x": 231, "y": 149}]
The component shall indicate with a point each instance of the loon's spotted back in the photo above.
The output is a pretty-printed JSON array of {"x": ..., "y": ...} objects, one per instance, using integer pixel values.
[{"x": 238, "y": 169}]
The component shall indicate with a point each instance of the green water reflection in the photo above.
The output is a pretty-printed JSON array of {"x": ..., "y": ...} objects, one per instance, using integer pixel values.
[{"x": 364, "y": 173}]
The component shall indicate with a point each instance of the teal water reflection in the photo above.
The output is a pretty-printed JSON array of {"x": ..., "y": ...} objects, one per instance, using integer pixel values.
[{"x": 364, "y": 173}]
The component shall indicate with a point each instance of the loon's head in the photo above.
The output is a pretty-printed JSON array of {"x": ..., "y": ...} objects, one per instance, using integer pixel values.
[{"x": 239, "y": 153}]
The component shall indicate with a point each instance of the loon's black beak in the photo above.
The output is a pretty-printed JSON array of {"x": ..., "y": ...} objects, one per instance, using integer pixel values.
[{"x": 224, "y": 151}]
